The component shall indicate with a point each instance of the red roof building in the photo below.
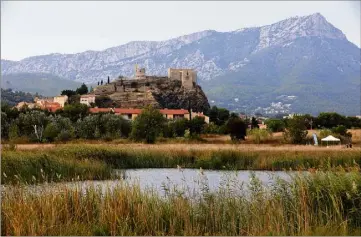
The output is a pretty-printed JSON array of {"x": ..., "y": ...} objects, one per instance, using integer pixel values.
[{"x": 133, "y": 113}]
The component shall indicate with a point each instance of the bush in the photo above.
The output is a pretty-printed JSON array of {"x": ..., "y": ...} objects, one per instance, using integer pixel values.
[
  {"x": 259, "y": 135},
  {"x": 51, "y": 132},
  {"x": 13, "y": 132},
  {"x": 148, "y": 125},
  {"x": 275, "y": 125},
  {"x": 65, "y": 135},
  {"x": 237, "y": 128},
  {"x": 296, "y": 132},
  {"x": 196, "y": 125}
]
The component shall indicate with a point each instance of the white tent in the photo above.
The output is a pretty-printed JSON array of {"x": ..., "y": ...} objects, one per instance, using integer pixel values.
[{"x": 330, "y": 139}]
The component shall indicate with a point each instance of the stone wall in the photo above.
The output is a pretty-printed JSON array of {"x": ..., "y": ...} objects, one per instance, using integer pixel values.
[{"x": 188, "y": 77}]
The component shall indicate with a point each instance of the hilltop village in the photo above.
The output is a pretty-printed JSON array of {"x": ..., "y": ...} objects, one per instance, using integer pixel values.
[{"x": 176, "y": 95}]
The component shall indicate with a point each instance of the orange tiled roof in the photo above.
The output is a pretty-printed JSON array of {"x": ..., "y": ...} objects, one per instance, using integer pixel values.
[
  {"x": 138, "y": 111},
  {"x": 174, "y": 111}
]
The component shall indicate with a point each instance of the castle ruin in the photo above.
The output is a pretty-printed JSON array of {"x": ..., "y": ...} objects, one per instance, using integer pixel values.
[{"x": 188, "y": 77}]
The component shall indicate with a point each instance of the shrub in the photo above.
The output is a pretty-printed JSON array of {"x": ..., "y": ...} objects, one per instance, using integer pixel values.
[
  {"x": 148, "y": 125},
  {"x": 296, "y": 132},
  {"x": 237, "y": 128},
  {"x": 275, "y": 125},
  {"x": 259, "y": 135},
  {"x": 196, "y": 125}
]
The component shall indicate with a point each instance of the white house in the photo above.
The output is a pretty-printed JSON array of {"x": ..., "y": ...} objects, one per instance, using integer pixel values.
[{"x": 87, "y": 99}]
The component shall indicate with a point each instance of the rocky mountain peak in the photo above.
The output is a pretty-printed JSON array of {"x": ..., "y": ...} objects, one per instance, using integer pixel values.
[{"x": 295, "y": 27}]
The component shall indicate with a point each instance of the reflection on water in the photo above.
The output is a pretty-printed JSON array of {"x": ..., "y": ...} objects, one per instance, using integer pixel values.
[{"x": 185, "y": 181}]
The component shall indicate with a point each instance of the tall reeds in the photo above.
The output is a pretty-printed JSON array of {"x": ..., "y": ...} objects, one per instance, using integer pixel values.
[
  {"x": 321, "y": 203},
  {"x": 96, "y": 161}
]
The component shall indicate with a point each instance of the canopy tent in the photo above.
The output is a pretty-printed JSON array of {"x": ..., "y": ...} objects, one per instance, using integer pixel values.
[{"x": 330, "y": 139}]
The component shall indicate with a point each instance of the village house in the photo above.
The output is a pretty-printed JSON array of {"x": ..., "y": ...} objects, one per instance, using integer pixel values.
[
  {"x": 87, "y": 99},
  {"x": 131, "y": 114},
  {"x": 62, "y": 99}
]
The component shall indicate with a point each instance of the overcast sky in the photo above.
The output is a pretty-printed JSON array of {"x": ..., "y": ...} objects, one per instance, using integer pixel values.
[{"x": 36, "y": 28}]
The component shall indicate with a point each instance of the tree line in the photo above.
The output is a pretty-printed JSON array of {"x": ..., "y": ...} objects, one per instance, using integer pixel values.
[{"x": 75, "y": 122}]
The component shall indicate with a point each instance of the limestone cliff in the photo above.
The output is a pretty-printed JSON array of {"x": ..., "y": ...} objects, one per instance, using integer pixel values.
[{"x": 161, "y": 92}]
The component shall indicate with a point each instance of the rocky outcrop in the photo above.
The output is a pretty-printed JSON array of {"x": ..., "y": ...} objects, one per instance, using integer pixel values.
[{"x": 161, "y": 92}]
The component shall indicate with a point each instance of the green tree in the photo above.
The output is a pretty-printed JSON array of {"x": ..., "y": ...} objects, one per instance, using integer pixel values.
[
  {"x": 51, "y": 132},
  {"x": 113, "y": 126},
  {"x": 219, "y": 116},
  {"x": 330, "y": 120},
  {"x": 82, "y": 90},
  {"x": 13, "y": 131},
  {"x": 4, "y": 125},
  {"x": 254, "y": 123},
  {"x": 33, "y": 123},
  {"x": 211, "y": 128},
  {"x": 75, "y": 111},
  {"x": 104, "y": 101},
  {"x": 237, "y": 128},
  {"x": 275, "y": 125},
  {"x": 196, "y": 125},
  {"x": 148, "y": 125},
  {"x": 68, "y": 93},
  {"x": 85, "y": 128},
  {"x": 296, "y": 131}
]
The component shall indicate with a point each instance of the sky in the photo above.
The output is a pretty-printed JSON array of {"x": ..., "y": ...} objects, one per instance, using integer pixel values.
[{"x": 36, "y": 28}]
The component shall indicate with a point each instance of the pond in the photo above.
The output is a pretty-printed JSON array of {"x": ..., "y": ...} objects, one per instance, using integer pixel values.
[{"x": 186, "y": 181}]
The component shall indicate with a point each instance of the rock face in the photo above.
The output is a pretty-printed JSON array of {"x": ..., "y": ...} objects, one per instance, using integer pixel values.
[{"x": 160, "y": 92}]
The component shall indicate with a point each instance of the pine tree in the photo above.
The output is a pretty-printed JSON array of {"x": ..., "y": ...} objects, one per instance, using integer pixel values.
[
  {"x": 101, "y": 82},
  {"x": 108, "y": 80}
]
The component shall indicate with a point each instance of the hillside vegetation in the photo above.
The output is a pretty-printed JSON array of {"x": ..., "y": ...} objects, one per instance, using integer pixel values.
[{"x": 42, "y": 83}]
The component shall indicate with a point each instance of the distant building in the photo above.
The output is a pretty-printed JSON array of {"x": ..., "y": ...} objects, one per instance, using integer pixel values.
[
  {"x": 27, "y": 104},
  {"x": 139, "y": 73},
  {"x": 62, "y": 99},
  {"x": 290, "y": 116},
  {"x": 188, "y": 77},
  {"x": 87, "y": 99},
  {"x": 131, "y": 114}
]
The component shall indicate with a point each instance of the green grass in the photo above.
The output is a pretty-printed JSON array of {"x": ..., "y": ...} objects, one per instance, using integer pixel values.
[{"x": 321, "y": 203}]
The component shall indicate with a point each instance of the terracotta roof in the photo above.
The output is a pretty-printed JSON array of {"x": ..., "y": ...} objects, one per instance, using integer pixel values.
[
  {"x": 127, "y": 111},
  {"x": 174, "y": 111},
  {"x": 138, "y": 111},
  {"x": 98, "y": 110}
]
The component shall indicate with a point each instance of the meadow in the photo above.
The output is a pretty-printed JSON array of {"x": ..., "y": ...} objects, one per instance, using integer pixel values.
[{"x": 321, "y": 203}]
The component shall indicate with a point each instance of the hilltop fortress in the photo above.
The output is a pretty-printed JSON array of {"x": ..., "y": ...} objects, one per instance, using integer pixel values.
[
  {"x": 188, "y": 77},
  {"x": 178, "y": 90}
]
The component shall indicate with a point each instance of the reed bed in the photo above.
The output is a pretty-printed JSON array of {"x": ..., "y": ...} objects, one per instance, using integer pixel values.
[
  {"x": 37, "y": 167},
  {"x": 96, "y": 161},
  {"x": 321, "y": 203}
]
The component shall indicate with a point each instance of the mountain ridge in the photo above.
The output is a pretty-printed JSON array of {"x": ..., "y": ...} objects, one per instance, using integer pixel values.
[{"x": 282, "y": 51}]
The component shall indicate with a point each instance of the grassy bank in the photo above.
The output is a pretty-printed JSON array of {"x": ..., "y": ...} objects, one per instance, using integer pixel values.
[
  {"x": 95, "y": 161},
  {"x": 323, "y": 203},
  {"x": 37, "y": 167}
]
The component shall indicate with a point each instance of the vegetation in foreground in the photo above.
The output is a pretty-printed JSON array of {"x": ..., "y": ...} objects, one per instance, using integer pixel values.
[
  {"x": 321, "y": 203},
  {"x": 96, "y": 161}
]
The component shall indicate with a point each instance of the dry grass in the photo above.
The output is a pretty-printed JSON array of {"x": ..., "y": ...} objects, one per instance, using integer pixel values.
[{"x": 312, "y": 205}]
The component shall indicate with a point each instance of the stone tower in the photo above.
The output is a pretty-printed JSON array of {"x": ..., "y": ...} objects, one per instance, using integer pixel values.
[
  {"x": 186, "y": 76},
  {"x": 139, "y": 73}
]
